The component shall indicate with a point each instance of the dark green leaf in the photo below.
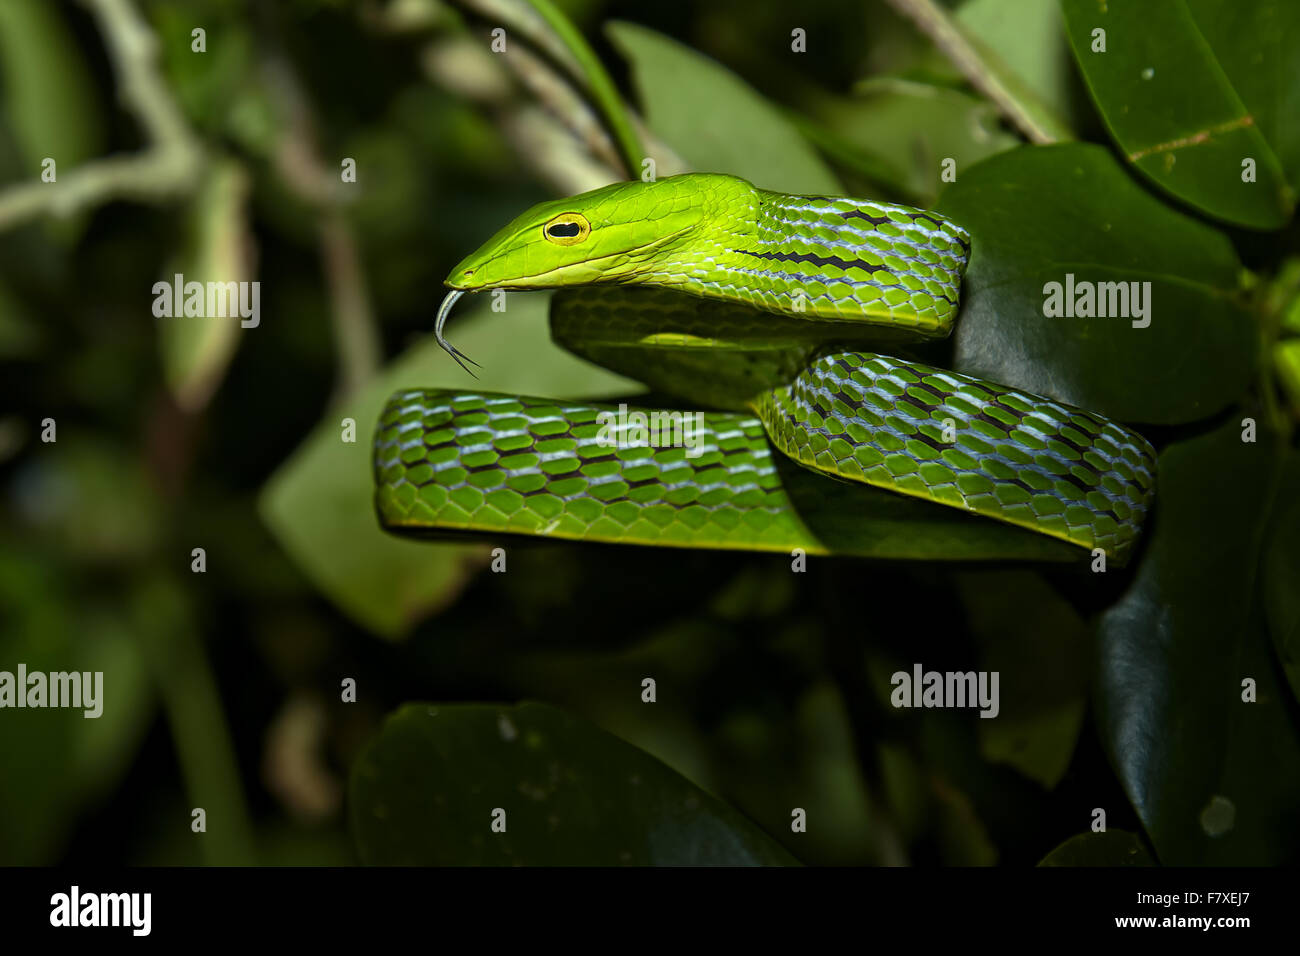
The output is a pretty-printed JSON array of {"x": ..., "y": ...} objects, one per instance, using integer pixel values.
[
  {"x": 911, "y": 128},
  {"x": 196, "y": 350},
  {"x": 1282, "y": 575},
  {"x": 1028, "y": 41},
  {"x": 49, "y": 96},
  {"x": 1257, "y": 45},
  {"x": 1038, "y": 645},
  {"x": 714, "y": 120},
  {"x": 426, "y": 791},
  {"x": 57, "y": 760},
  {"x": 1108, "y": 848},
  {"x": 1040, "y": 214},
  {"x": 1214, "y": 779},
  {"x": 1165, "y": 87}
]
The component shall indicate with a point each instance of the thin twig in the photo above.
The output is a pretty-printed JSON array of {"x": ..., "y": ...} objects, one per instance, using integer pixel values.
[
  {"x": 167, "y": 167},
  {"x": 561, "y": 140},
  {"x": 562, "y": 62},
  {"x": 1034, "y": 120},
  {"x": 306, "y": 174}
]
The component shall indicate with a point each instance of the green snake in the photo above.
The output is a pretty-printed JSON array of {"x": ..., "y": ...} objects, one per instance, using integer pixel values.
[{"x": 757, "y": 305}]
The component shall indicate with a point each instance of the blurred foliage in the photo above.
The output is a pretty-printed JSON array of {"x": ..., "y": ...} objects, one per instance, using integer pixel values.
[
  {"x": 1105, "y": 848},
  {"x": 1121, "y": 691},
  {"x": 421, "y": 793}
]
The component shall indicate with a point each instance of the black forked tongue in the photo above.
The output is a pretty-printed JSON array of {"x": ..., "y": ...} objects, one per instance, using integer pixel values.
[{"x": 443, "y": 311}]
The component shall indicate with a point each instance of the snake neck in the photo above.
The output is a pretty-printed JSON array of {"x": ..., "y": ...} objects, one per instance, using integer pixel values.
[{"x": 834, "y": 259}]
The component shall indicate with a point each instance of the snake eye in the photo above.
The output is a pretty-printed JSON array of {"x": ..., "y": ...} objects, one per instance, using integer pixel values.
[{"x": 567, "y": 229}]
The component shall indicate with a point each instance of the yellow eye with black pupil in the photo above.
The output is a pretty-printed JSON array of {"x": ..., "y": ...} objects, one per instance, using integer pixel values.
[{"x": 567, "y": 229}]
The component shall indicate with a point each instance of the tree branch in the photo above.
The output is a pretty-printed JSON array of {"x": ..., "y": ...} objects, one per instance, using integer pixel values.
[{"x": 170, "y": 164}]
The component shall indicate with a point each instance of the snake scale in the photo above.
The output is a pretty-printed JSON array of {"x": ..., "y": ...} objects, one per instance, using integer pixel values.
[{"x": 768, "y": 309}]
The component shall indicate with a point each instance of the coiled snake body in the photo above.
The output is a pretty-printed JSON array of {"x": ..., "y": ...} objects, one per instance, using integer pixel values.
[{"x": 756, "y": 304}]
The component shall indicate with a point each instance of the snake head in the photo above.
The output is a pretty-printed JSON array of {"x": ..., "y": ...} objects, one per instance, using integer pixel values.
[{"x": 605, "y": 235}]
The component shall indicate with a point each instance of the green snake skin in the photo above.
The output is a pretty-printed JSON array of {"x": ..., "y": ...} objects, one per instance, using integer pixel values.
[
  {"x": 838, "y": 259},
  {"x": 450, "y": 462},
  {"x": 1012, "y": 456},
  {"x": 784, "y": 297}
]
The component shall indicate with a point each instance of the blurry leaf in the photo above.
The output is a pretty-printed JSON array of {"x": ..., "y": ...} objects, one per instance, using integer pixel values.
[
  {"x": 319, "y": 504},
  {"x": 1028, "y": 38},
  {"x": 982, "y": 65},
  {"x": 222, "y": 91},
  {"x": 426, "y": 791},
  {"x": 968, "y": 803},
  {"x": 49, "y": 95},
  {"x": 913, "y": 128},
  {"x": 166, "y": 625},
  {"x": 963, "y": 835},
  {"x": 1286, "y": 357},
  {"x": 1108, "y": 848},
  {"x": 863, "y": 172},
  {"x": 21, "y": 337},
  {"x": 1173, "y": 109},
  {"x": 57, "y": 760},
  {"x": 1039, "y": 647},
  {"x": 1282, "y": 574},
  {"x": 196, "y": 350},
  {"x": 714, "y": 120},
  {"x": 774, "y": 757},
  {"x": 1214, "y": 779},
  {"x": 61, "y": 494},
  {"x": 1040, "y": 214},
  {"x": 107, "y": 744}
]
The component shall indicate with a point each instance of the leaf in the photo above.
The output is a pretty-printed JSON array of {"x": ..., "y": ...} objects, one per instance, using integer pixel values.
[
  {"x": 713, "y": 119},
  {"x": 319, "y": 504},
  {"x": 21, "y": 336},
  {"x": 1038, "y": 215},
  {"x": 1258, "y": 44},
  {"x": 1038, "y": 646},
  {"x": 1282, "y": 574},
  {"x": 57, "y": 760},
  {"x": 1107, "y": 848},
  {"x": 425, "y": 792},
  {"x": 1028, "y": 40},
  {"x": 912, "y": 128},
  {"x": 1286, "y": 358},
  {"x": 1162, "y": 88},
  {"x": 984, "y": 68},
  {"x": 49, "y": 95},
  {"x": 197, "y": 349},
  {"x": 1214, "y": 779}
]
